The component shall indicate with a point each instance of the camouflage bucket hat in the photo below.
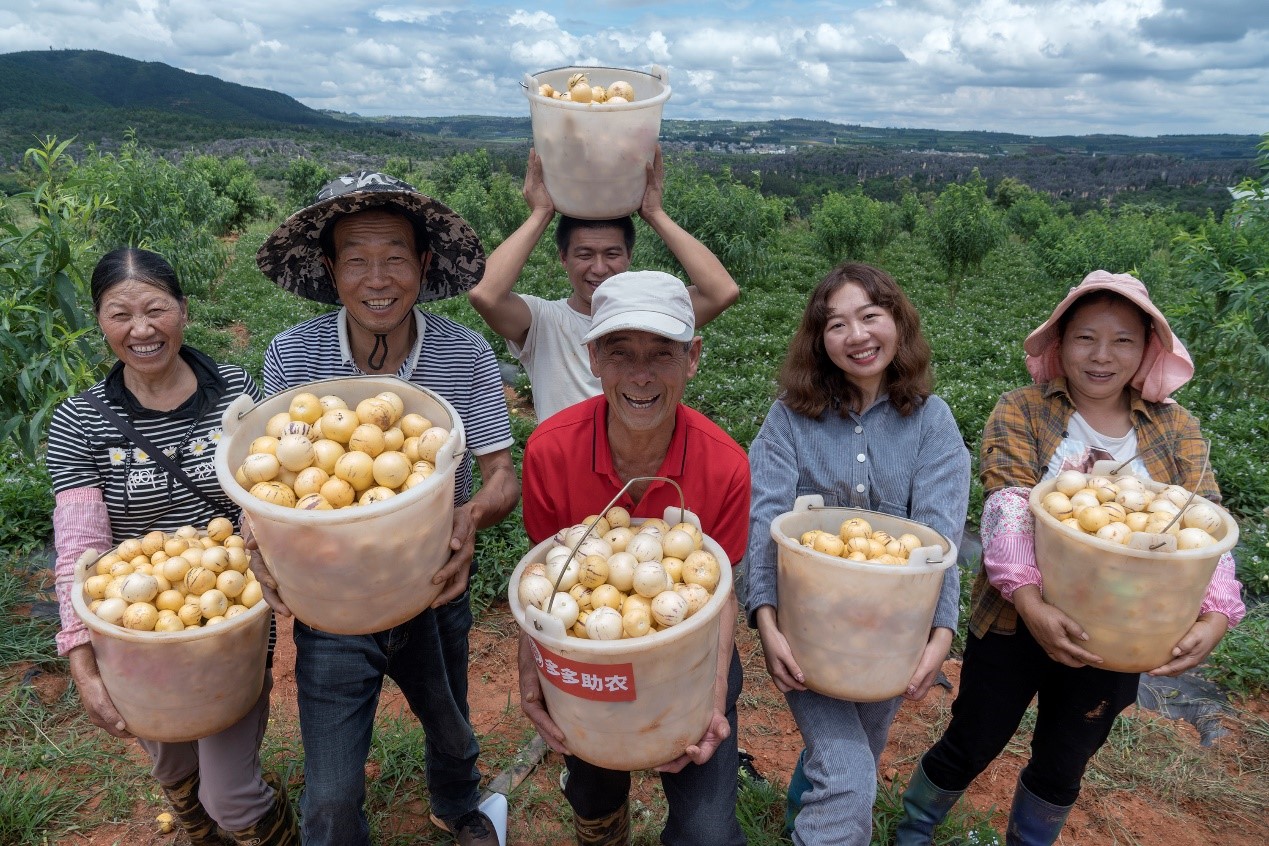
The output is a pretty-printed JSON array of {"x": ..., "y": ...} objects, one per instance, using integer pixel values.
[{"x": 292, "y": 255}]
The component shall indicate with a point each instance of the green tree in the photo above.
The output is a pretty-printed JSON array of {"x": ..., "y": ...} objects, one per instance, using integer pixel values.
[
  {"x": 911, "y": 210},
  {"x": 845, "y": 225},
  {"x": 304, "y": 178},
  {"x": 233, "y": 180},
  {"x": 1225, "y": 320},
  {"x": 966, "y": 228},
  {"x": 46, "y": 352},
  {"x": 158, "y": 206}
]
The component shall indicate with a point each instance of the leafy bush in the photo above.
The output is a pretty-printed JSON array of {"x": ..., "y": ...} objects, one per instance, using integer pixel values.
[
  {"x": 159, "y": 206},
  {"x": 233, "y": 180},
  {"x": 304, "y": 178},
  {"x": 1070, "y": 247},
  {"x": 1225, "y": 320},
  {"x": 735, "y": 221},
  {"x": 845, "y": 225},
  {"x": 911, "y": 210},
  {"x": 1239, "y": 662},
  {"x": 45, "y": 350},
  {"x": 966, "y": 227}
]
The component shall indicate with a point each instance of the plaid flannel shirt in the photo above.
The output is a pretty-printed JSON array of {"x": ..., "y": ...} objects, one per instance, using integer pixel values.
[{"x": 1025, "y": 429}]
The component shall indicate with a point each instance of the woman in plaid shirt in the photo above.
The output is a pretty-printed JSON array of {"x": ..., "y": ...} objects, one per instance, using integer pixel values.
[{"x": 1104, "y": 365}]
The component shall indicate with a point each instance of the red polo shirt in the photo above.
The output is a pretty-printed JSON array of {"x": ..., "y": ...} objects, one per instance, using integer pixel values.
[{"x": 569, "y": 475}]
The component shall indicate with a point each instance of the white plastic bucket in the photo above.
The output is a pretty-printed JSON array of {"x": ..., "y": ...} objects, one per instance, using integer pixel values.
[
  {"x": 361, "y": 569},
  {"x": 657, "y": 693},
  {"x": 856, "y": 629},
  {"x": 179, "y": 686},
  {"x": 594, "y": 154},
  {"x": 1135, "y": 604}
]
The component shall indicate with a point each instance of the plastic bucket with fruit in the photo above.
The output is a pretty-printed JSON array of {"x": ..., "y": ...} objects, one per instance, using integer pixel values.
[
  {"x": 179, "y": 686},
  {"x": 856, "y": 628},
  {"x": 358, "y": 569},
  {"x": 594, "y": 154},
  {"x": 635, "y": 702},
  {"x": 1135, "y": 604}
]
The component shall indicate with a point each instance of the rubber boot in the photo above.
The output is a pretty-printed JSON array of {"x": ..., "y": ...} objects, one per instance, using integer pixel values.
[
  {"x": 1032, "y": 821},
  {"x": 924, "y": 807},
  {"x": 612, "y": 830},
  {"x": 192, "y": 816},
  {"x": 278, "y": 826},
  {"x": 798, "y": 784}
]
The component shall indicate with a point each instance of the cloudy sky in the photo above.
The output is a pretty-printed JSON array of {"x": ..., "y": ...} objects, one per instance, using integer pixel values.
[{"x": 1042, "y": 67}]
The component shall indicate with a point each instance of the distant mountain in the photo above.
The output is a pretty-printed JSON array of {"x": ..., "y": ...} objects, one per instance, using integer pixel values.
[{"x": 90, "y": 80}]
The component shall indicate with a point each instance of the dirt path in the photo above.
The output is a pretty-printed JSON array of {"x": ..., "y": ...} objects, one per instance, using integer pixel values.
[{"x": 1103, "y": 817}]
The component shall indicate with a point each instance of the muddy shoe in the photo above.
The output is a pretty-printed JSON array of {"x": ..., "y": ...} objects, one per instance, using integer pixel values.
[{"x": 473, "y": 829}]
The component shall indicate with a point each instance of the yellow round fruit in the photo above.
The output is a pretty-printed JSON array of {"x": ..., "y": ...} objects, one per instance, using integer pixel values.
[{"x": 305, "y": 407}]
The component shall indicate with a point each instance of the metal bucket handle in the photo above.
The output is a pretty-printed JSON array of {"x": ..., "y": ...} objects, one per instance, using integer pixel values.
[
  {"x": 683, "y": 513},
  {"x": 1207, "y": 468}
]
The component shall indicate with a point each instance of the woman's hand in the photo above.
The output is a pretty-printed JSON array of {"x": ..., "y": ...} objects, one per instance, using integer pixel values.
[
  {"x": 702, "y": 750},
  {"x": 92, "y": 691},
  {"x": 932, "y": 658},
  {"x": 784, "y": 671},
  {"x": 531, "y": 701},
  {"x": 1197, "y": 644},
  {"x": 1058, "y": 635}
]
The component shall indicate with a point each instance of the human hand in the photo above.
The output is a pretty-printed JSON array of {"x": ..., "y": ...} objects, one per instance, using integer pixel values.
[
  {"x": 92, "y": 691},
  {"x": 1196, "y": 645},
  {"x": 927, "y": 670},
  {"x": 654, "y": 191},
  {"x": 268, "y": 584},
  {"x": 535, "y": 193},
  {"x": 784, "y": 671},
  {"x": 702, "y": 750},
  {"x": 1058, "y": 635},
  {"x": 457, "y": 570},
  {"x": 531, "y": 701}
]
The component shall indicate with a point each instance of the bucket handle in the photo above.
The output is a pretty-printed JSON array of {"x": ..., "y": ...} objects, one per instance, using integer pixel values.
[
  {"x": 233, "y": 415},
  {"x": 683, "y": 512},
  {"x": 1207, "y": 468}
]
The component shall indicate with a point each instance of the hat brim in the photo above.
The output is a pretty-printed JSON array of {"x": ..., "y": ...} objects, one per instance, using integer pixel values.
[
  {"x": 642, "y": 321},
  {"x": 1043, "y": 338},
  {"x": 292, "y": 255}
]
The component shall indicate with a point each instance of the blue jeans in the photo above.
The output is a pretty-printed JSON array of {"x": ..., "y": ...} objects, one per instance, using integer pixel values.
[
  {"x": 338, "y": 680},
  {"x": 702, "y": 799}
]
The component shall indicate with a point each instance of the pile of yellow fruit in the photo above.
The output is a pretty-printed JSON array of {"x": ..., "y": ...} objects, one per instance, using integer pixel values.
[
  {"x": 172, "y": 581},
  {"x": 320, "y": 454},
  {"x": 581, "y": 91},
  {"x": 1116, "y": 509},
  {"x": 624, "y": 581},
  {"x": 856, "y": 540}
]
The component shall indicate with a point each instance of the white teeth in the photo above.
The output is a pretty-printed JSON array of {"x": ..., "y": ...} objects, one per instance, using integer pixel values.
[
  {"x": 378, "y": 303},
  {"x": 148, "y": 348},
  {"x": 866, "y": 354}
]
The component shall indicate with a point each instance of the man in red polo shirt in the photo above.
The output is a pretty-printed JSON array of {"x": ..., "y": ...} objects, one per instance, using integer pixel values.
[{"x": 643, "y": 348}]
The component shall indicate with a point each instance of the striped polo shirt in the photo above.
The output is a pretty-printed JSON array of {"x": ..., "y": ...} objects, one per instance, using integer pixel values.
[{"x": 447, "y": 358}]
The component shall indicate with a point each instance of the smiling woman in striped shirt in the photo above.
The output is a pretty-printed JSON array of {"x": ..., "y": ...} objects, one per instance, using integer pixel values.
[{"x": 109, "y": 489}]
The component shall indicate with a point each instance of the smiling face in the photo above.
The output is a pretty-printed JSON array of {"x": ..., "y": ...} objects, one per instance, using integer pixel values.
[
  {"x": 1102, "y": 347},
  {"x": 643, "y": 377},
  {"x": 592, "y": 256},
  {"x": 144, "y": 326},
  {"x": 860, "y": 337},
  {"x": 377, "y": 268}
]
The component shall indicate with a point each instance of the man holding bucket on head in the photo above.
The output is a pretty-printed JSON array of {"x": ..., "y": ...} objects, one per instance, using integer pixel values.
[
  {"x": 376, "y": 246},
  {"x": 642, "y": 349},
  {"x": 546, "y": 335}
]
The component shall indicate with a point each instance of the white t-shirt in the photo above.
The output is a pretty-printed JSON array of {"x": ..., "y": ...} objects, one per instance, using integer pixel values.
[
  {"x": 1083, "y": 445},
  {"x": 553, "y": 356}
]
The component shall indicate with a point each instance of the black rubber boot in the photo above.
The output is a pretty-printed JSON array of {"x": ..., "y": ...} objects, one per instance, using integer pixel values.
[
  {"x": 1032, "y": 821},
  {"x": 924, "y": 807}
]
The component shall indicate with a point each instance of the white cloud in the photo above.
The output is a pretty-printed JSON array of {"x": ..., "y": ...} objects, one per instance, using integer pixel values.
[{"x": 1030, "y": 66}]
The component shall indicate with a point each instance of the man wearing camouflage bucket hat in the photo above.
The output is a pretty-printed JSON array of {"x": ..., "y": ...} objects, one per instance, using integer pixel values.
[{"x": 376, "y": 246}]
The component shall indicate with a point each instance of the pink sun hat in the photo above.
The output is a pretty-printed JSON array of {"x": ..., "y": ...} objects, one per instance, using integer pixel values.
[{"x": 1165, "y": 366}]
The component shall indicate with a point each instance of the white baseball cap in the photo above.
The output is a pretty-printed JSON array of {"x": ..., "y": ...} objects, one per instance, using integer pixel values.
[{"x": 643, "y": 300}]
